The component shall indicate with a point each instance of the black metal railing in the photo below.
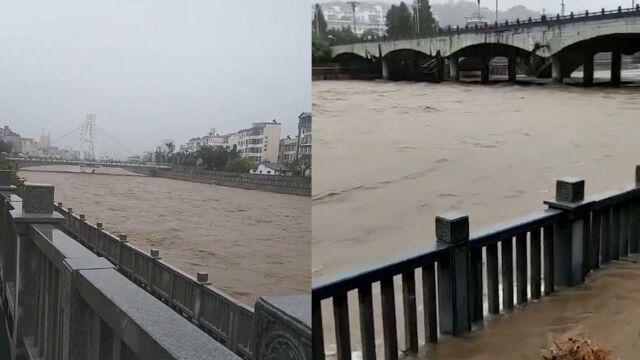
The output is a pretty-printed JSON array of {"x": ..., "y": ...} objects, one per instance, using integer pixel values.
[{"x": 464, "y": 277}]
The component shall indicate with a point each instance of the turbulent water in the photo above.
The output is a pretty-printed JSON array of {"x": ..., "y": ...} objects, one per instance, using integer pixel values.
[
  {"x": 252, "y": 243},
  {"x": 390, "y": 156}
]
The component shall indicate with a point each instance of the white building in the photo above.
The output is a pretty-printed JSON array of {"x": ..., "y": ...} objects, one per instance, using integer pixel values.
[
  {"x": 260, "y": 142},
  {"x": 29, "y": 146},
  {"x": 271, "y": 169},
  {"x": 287, "y": 152},
  {"x": 369, "y": 16}
]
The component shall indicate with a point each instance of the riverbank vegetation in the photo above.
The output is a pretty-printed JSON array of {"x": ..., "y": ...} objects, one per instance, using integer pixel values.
[{"x": 15, "y": 178}]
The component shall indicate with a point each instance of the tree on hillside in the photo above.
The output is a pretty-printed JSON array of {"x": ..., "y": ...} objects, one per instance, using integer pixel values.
[
  {"x": 425, "y": 23},
  {"x": 398, "y": 21},
  {"x": 319, "y": 23}
]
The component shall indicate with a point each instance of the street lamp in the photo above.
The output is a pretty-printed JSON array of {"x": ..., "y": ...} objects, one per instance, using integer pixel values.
[{"x": 353, "y": 8}]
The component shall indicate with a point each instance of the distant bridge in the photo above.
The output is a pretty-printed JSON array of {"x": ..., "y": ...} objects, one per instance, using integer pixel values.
[
  {"x": 554, "y": 46},
  {"x": 20, "y": 163}
]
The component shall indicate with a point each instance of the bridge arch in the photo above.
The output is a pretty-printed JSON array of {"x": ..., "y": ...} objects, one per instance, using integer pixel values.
[{"x": 409, "y": 64}]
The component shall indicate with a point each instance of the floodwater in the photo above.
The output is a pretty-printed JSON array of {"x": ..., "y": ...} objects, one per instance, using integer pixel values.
[
  {"x": 396, "y": 154},
  {"x": 252, "y": 243}
]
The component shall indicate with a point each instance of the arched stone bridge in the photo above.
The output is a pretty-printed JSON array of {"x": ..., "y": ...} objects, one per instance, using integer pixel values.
[{"x": 560, "y": 43}]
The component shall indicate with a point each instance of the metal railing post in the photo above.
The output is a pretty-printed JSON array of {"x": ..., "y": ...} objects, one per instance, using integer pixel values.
[
  {"x": 454, "y": 306},
  {"x": 570, "y": 237}
]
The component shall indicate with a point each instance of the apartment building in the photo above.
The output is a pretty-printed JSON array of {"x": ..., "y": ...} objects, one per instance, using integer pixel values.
[
  {"x": 288, "y": 147},
  {"x": 260, "y": 142}
]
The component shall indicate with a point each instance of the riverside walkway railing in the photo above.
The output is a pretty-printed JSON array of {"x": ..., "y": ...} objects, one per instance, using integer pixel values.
[
  {"x": 71, "y": 290},
  {"x": 226, "y": 319},
  {"x": 467, "y": 276}
]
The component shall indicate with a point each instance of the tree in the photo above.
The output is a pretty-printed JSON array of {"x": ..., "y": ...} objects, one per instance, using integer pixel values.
[
  {"x": 239, "y": 165},
  {"x": 342, "y": 36},
  {"x": 399, "y": 22},
  {"x": 170, "y": 148},
  {"x": 5, "y": 147},
  {"x": 320, "y": 50},
  {"x": 319, "y": 23},
  {"x": 369, "y": 34},
  {"x": 426, "y": 23}
]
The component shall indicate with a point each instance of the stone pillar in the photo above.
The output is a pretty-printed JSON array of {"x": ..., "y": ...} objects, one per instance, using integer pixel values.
[
  {"x": 484, "y": 69},
  {"x": 385, "y": 69},
  {"x": 556, "y": 69},
  {"x": 587, "y": 68},
  {"x": 569, "y": 235},
  {"x": 439, "y": 67},
  {"x": 282, "y": 328},
  {"x": 454, "y": 75},
  {"x": 616, "y": 66},
  {"x": 452, "y": 231},
  {"x": 37, "y": 208},
  {"x": 79, "y": 333},
  {"x": 513, "y": 67}
]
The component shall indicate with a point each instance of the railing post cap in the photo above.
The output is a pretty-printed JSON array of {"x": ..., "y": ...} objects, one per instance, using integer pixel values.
[
  {"x": 83, "y": 217},
  {"x": 123, "y": 237},
  {"x": 99, "y": 225},
  {"x": 570, "y": 190},
  {"x": 69, "y": 210},
  {"x": 59, "y": 204},
  {"x": 452, "y": 228},
  {"x": 155, "y": 253},
  {"x": 202, "y": 277},
  {"x": 38, "y": 198}
]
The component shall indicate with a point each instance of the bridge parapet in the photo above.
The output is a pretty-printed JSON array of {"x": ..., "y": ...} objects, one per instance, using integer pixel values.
[
  {"x": 555, "y": 248},
  {"x": 71, "y": 290},
  {"x": 545, "y": 36}
]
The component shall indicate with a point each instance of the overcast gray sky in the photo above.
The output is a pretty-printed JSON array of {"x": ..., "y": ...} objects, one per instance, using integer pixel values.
[
  {"x": 551, "y": 6},
  {"x": 153, "y": 69}
]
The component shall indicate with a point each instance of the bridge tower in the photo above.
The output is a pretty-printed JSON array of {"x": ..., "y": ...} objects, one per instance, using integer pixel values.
[{"x": 88, "y": 136}]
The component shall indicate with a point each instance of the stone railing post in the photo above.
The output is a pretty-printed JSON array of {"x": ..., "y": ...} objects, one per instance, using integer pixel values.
[
  {"x": 454, "y": 306},
  {"x": 155, "y": 257},
  {"x": 569, "y": 243},
  {"x": 282, "y": 328},
  {"x": 634, "y": 219},
  {"x": 79, "y": 330},
  {"x": 203, "y": 280},
  {"x": 37, "y": 208}
]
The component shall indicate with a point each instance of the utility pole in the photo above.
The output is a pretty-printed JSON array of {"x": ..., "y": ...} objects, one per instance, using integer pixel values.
[
  {"x": 353, "y": 8},
  {"x": 562, "y": 8},
  {"x": 417, "y": 14},
  {"x": 496, "y": 11},
  {"x": 317, "y": 20}
]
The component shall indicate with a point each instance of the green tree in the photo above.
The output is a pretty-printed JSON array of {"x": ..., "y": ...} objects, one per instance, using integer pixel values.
[
  {"x": 399, "y": 22},
  {"x": 319, "y": 23},
  {"x": 369, "y": 34},
  {"x": 15, "y": 179},
  {"x": 5, "y": 147},
  {"x": 426, "y": 23},
  {"x": 239, "y": 165},
  {"x": 342, "y": 36},
  {"x": 320, "y": 50}
]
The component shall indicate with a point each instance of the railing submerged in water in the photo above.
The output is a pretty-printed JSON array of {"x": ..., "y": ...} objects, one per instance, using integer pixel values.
[
  {"x": 85, "y": 298},
  {"x": 554, "y": 248}
]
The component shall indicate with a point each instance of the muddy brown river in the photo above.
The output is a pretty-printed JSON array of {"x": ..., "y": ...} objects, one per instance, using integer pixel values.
[
  {"x": 390, "y": 156},
  {"x": 252, "y": 243}
]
